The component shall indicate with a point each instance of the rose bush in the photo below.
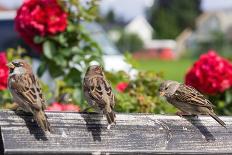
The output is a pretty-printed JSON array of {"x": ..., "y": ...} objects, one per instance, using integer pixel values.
[
  {"x": 39, "y": 17},
  {"x": 211, "y": 74},
  {"x": 4, "y": 71},
  {"x": 121, "y": 86},
  {"x": 56, "y": 29},
  {"x": 56, "y": 106},
  {"x": 138, "y": 94}
]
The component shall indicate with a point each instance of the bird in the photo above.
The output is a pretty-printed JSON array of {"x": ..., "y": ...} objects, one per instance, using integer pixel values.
[
  {"x": 98, "y": 92},
  {"x": 188, "y": 100},
  {"x": 26, "y": 92}
]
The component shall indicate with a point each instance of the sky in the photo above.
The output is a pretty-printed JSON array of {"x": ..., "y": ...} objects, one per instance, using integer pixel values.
[{"x": 128, "y": 9}]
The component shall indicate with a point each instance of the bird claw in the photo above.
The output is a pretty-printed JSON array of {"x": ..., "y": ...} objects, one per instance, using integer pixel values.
[
  {"x": 181, "y": 114},
  {"x": 108, "y": 127},
  {"x": 19, "y": 111}
]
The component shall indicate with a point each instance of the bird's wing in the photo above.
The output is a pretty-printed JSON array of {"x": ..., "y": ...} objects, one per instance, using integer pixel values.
[
  {"x": 110, "y": 94},
  {"x": 190, "y": 95},
  {"x": 100, "y": 91},
  {"x": 27, "y": 88}
]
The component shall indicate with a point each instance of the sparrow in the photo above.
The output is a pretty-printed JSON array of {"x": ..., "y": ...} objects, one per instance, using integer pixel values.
[
  {"x": 187, "y": 99},
  {"x": 26, "y": 92},
  {"x": 98, "y": 92}
]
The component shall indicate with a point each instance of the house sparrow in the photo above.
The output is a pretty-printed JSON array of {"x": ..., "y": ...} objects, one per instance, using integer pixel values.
[
  {"x": 187, "y": 99},
  {"x": 26, "y": 91},
  {"x": 98, "y": 92}
]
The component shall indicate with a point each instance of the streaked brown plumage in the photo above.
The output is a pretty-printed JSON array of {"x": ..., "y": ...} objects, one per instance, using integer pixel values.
[
  {"x": 26, "y": 92},
  {"x": 98, "y": 92},
  {"x": 187, "y": 99}
]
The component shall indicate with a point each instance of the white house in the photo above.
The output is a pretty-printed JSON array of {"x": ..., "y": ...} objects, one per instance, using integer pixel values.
[
  {"x": 206, "y": 23},
  {"x": 213, "y": 21},
  {"x": 141, "y": 27}
]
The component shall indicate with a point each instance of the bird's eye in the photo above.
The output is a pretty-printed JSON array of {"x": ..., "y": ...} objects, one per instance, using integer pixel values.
[
  {"x": 16, "y": 64},
  {"x": 166, "y": 88}
]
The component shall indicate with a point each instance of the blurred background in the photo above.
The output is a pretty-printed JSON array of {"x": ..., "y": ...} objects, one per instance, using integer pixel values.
[
  {"x": 160, "y": 30},
  {"x": 143, "y": 42}
]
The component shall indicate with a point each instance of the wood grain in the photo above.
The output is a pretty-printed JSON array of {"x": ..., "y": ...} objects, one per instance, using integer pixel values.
[{"x": 75, "y": 133}]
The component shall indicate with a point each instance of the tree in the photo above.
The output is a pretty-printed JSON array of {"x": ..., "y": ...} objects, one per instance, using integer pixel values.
[
  {"x": 129, "y": 42},
  {"x": 170, "y": 17},
  {"x": 110, "y": 16}
]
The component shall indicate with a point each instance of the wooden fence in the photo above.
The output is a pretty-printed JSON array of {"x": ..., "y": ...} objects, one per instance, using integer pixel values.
[{"x": 78, "y": 133}]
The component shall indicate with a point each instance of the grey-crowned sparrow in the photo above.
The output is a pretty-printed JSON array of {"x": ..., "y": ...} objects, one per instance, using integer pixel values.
[
  {"x": 26, "y": 91},
  {"x": 187, "y": 99},
  {"x": 98, "y": 92}
]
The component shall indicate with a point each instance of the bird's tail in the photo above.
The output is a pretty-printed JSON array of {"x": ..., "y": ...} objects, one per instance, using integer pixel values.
[
  {"x": 41, "y": 118},
  {"x": 110, "y": 116},
  {"x": 214, "y": 116}
]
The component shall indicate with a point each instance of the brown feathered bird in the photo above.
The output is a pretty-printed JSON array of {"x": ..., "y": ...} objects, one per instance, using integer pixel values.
[
  {"x": 98, "y": 92},
  {"x": 26, "y": 92},
  {"x": 187, "y": 99}
]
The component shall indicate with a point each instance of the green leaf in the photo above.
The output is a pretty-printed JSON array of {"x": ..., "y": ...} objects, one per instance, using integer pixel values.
[
  {"x": 65, "y": 52},
  {"x": 60, "y": 60},
  {"x": 54, "y": 69},
  {"x": 49, "y": 49},
  {"x": 228, "y": 96},
  {"x": 73, "y": 77},
  {"x": 71, "y": 27},
  {"x": 38, "y": 39},
  {"x": 41, "y": 69}
]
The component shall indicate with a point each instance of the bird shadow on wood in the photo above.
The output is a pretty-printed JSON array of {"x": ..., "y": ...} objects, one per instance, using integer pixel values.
[
  {"x": 93, "y": 124},
  {"x": 195, "y": 121},
  {"x": 33, "y": 127}
]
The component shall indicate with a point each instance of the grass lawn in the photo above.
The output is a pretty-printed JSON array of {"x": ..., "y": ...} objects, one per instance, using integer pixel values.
[{"x": 172, "y": 70}]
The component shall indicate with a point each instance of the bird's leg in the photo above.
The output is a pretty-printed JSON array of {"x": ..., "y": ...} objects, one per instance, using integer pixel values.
[
  {"x": 196, "y": 116},
  {"x": 181, "y": 113},
  {"x": 21, "y": 111},
  {"x": 108, "y": 127}
]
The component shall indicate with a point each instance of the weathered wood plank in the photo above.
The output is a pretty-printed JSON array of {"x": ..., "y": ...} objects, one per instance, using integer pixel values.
[{"x": 86, "y": 133}]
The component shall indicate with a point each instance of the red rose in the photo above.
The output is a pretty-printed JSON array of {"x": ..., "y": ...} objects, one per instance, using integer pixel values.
[
  {"x": 39, "y": 17},
  {"x": 121, "y": 86},
  {"x": 210, "y": 74},
  {"x": 4, "y": 71},
  {"x": 70, "y": 107},
  {"x": 56, "y": 106}
]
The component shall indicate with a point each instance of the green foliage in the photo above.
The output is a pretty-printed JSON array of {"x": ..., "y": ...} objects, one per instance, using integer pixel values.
[
  {"x": 18, "y": 53},
  {"x": 141, "y": 95},
  {"x": 130, "y": 60},
  {"x": 129, "y": 42},
  {"x": 170, "y": 17},
  {"x": 5, "y": 98},
  {"x": 222, "y": 102},
  {"x": 67, "y": 55},
  {"x": 110, "y": 17}
]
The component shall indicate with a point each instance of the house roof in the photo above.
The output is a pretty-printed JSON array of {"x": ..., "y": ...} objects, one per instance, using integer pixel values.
[{"x": 138, "y": 21}]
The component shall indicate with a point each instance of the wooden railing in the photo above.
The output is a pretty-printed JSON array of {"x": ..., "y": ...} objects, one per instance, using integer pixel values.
[{"x": 77, "y": 133}]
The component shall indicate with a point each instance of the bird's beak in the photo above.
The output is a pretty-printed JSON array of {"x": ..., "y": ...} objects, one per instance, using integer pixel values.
[
  {"x": 161, "y": 94},
  {"x": 10, "y": 65}
]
